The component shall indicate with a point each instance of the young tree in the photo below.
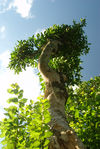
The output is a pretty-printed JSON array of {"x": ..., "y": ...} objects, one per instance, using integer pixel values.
[{"x": 56, "y": 53}]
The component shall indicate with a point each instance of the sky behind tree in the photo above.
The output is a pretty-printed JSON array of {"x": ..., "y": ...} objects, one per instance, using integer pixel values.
[{"x": 20, "y": 19}]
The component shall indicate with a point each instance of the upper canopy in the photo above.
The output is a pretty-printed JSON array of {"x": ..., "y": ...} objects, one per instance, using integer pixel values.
[{"x": 66, "y": 60}]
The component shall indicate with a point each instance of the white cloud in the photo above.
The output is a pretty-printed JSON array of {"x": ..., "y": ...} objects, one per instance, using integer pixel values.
[
  {"x": 4, "y": 59},
  {"x": 27, "y": 81},
  {"x": 22, "y": 7},
  {"x": 4, "y": 6},
  {"x": 2, "y": 29},
  {"x": 2, "y": 32}
]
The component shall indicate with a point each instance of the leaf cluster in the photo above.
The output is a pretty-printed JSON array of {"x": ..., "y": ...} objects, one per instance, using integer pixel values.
[{"x": 66, "y": 60}]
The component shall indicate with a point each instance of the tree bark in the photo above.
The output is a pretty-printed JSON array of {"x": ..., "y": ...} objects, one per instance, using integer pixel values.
[{"x": 63, "y": 136}]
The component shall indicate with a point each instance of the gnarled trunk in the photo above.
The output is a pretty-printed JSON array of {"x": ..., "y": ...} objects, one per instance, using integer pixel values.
[{"x": 63, "y": 136}]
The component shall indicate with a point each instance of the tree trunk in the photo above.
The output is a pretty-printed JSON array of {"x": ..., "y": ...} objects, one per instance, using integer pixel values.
[{"x": 63, "y": 136}]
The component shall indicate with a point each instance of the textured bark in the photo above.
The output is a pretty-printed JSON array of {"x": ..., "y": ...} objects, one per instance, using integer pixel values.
[{"x": 63, "y": 136}]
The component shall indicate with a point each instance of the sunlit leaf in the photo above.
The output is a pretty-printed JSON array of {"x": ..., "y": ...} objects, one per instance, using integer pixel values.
[
  {"x": 14, "y": 100},
  {"x": 77, "y": 113}
]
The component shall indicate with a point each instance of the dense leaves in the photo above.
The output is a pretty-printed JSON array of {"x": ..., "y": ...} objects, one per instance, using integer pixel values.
[
  {"x": 25, "y": 125},
  {"x": 66, "y": 60},
  {"x": 83, "y": 112}
]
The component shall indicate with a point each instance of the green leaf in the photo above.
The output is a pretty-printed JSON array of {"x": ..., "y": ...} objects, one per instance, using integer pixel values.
[
  {"x": 35, "y": 134},
  {"x": 72, "y": 108},
  {"x": 10, "y": 145},
  {"x": 46, "y": 143},
  {"x": 77, "y": 113},
  {"x": 47, "y": 134},
  {"x": 47, "y": 119},
  {"x": 13, "y": 100},
  {"x": 24, "y": 100},
  {"x": 4, "y": 142},
  {"x": 36, "y": 143},
  {"x": 10, "y": 91},
  {"x": 20, "y": 94}
]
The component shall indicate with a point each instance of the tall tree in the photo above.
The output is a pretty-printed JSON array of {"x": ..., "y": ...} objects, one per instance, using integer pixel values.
[{"x": 56, "y": 53}]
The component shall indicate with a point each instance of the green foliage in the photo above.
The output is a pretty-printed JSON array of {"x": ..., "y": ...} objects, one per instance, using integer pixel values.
[
  {"x": 28, "y": 123},
  {"x": 66, "y": 60},
  {"x": 25, "y": 125},
  {"x": 83, "y": 112}
]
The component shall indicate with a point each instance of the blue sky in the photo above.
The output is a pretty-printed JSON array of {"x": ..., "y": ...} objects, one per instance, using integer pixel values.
[
  {"x": 23, "y": 18},
  {"x": 20, "y": 19},
  {"x": 16, "y": 23}
]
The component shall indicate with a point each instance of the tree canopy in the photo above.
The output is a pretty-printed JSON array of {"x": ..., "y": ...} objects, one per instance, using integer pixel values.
[{"x": 66, "y": 60}]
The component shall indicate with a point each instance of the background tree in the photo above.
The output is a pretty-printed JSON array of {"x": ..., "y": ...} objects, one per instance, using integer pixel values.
[
  {"x": 56, "y": 53},
  {"x": 25, "y": 125},
  {"x": 83, "y": 112}
]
